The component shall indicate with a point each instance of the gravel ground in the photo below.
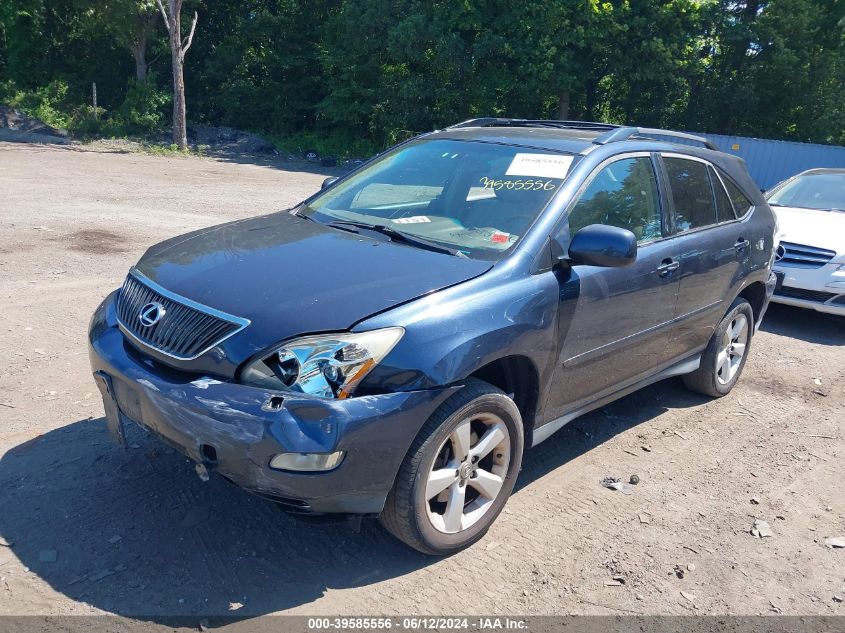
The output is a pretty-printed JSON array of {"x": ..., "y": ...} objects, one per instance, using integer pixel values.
[{"x": 86, "y": 527}]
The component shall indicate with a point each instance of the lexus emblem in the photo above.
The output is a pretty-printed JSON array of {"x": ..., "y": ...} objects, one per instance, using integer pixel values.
[
  {"x": 151, "y": 314},
  {"x": 780, "y": 252}
]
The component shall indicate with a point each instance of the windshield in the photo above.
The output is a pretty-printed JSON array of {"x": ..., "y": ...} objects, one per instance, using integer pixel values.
[
  {"x": 812, "y": 191},
  {"x": 471, "y": 197}
]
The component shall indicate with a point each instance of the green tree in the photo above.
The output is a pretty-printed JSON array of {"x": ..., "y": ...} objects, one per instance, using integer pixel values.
[
  {"x": 370, "y": 72},
  {"x": 776, "y": 70},
  {"x": 129, "y": 22},
  {"x": 264, "y": 54}
]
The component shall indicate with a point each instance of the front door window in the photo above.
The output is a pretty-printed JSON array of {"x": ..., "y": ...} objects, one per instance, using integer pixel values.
[{"x": 623, "y": 194}]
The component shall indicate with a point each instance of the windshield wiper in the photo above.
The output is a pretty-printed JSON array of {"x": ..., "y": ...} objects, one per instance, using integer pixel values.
[{"x": 396, "y": 236}]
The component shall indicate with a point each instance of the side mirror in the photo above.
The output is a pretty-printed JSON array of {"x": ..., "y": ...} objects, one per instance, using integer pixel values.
[
  {"x": 602, "y": 245},
  {"x": 328, "y": 182}
]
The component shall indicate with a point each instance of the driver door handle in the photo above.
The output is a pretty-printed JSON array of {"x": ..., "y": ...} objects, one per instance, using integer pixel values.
[
  {"x": 667, "y": 267},
  {"x": 741, "y": 245}
]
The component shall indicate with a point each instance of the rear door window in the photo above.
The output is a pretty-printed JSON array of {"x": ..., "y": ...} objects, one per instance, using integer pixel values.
[
  {"x": 724, "y": 208},
  {"x": 692, "y": 194},
  {"x": 623, "y": 194}
]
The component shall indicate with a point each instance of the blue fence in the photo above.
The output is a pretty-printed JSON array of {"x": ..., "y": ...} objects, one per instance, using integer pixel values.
[{"x": 769, "y": 161}]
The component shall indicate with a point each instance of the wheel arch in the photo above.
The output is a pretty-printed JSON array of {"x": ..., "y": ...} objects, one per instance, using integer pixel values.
[
  {"x": 517, "y": 376},
  {"x": 755, "y": 294}
]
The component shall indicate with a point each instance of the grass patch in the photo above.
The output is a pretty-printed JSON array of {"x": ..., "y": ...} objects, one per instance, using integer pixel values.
[{"x": 160, "y": 149}]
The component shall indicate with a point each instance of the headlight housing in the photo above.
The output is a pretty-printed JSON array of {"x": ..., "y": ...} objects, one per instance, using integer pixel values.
[{"x": 327, "y": 365}]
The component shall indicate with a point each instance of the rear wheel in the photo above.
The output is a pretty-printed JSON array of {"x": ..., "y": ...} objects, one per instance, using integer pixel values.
[
  {"x": 724, "y": 357},
  {"x": 459, "y": 472}
]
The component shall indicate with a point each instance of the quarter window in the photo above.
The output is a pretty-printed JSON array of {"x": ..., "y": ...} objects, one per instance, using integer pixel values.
[
  {"x": 623, "y": 194},
  {"x": 724, "y": 209},
  {"x": 742, "y": 205},
  {"x": 691, "y": 193}
]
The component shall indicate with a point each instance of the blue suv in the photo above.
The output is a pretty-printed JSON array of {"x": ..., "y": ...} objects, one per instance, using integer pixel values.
[{"x": 391, "y": 345}]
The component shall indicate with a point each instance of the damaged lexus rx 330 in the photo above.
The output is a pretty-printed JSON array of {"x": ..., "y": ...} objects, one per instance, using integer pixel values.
[{"x": 391, "y": 345}]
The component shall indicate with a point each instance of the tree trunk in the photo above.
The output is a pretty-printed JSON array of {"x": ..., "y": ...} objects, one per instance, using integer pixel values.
[
  {"x": 143, "y": 23},
  {"x": 180, "y": 132},
  {"x": 563, "y": 106},
  {"x": 139, "y": 53},
  {"x": 178, "y": 48}
]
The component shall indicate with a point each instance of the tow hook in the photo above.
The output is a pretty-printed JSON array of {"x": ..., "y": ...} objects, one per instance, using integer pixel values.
[{"x": 202, "y": 472}]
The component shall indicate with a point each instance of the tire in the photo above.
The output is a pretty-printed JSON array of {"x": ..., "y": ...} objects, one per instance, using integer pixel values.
[
  {"x": 714, "y": 377},
  {"x": 460, "y": 424}
]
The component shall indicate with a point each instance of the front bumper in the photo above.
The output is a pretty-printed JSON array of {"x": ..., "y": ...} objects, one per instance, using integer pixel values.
[
  {"x": 821, "y": 289},
  {"x": 193, "y": 413}
]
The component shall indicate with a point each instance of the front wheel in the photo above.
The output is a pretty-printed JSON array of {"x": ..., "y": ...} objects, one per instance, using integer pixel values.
[
  {"x": 725, "y": 355},
  {"x": 458, "y": 473}
]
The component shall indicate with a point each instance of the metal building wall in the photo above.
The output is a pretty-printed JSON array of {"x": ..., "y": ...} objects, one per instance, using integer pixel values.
[{"x": 769, "y": 161}]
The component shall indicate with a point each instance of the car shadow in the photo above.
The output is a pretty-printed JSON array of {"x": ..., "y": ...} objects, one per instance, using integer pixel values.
[
  {"x": 136, "y": 533},
  {"x": 806, "y": 325}
]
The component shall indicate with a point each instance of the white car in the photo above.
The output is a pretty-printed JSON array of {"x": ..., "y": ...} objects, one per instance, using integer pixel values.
[{"x": 810, "y": 260}]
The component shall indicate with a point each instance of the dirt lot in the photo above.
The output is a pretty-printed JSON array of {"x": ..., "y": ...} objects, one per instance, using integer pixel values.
[{"x": 89, "y": 528}]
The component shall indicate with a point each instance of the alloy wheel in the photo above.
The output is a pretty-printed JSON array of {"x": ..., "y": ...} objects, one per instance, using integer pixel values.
[
  {"x": 467, "y": 473},
  {"x": 732, "y": 349}
]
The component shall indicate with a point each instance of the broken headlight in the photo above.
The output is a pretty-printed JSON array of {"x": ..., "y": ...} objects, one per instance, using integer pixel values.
[{"x": 329, "y": 365}]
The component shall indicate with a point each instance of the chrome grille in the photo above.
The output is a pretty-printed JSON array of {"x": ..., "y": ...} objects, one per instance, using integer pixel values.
[
  {"x": 801, "y": 256},
  {"x": 185, "y": 331}
]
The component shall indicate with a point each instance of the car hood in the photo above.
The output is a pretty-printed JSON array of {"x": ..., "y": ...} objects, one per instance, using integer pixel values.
[
  {"x": 822, "y": 229},
  {"x": 292, "y": 276}
]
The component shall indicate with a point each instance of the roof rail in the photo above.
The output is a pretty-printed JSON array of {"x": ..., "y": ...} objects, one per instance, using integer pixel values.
[
  {"x": 611, "y": 132},
  {"x": 482, "y": 122},
  {"x": 624, "y": 133},
  {"x": 502, "y": 122}
]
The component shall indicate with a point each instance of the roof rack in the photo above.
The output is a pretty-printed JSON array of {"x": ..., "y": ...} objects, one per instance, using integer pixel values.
[
  {"x": 611, "y": 133},
  {"x": 624, "y": 133}
]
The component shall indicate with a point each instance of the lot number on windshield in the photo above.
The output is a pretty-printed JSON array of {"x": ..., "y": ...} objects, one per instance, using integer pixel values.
[{"x": 529, "y": 184}]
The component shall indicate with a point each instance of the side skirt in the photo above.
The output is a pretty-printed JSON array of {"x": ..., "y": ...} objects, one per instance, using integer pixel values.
[{"x": 678, "y": 369}]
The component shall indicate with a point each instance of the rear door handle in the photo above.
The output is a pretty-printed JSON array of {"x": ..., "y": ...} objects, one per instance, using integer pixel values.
[
  {"x": 667, "y": 267},
  {"x": 741, "y": 245}
]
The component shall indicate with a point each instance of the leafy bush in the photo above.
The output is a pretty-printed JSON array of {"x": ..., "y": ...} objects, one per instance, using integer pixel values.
[
  {"x": 7, "y": 90},
  {"x": 144, "y": 109},
  {"x": 48, "y": 103},
  {"x": 142, "y": 112},
  {"x": 84, "y": 123}
]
